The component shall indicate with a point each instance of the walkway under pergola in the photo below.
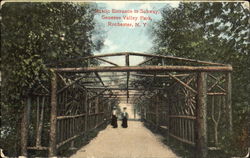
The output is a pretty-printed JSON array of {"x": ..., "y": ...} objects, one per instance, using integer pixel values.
[{"x": 182, "y": 95}]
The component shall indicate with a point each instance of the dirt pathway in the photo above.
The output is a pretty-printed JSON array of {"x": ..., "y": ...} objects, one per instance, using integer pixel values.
[{"x": 134, "y": 142}]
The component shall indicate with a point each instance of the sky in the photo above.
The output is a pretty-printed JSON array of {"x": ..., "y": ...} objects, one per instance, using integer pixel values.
[{"x": 129, "y": 39}]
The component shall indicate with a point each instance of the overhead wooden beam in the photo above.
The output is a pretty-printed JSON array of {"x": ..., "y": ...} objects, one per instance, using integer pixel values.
[
  {"x": 147, "y": 68},
  {"x": 123, "y": 89},
  {"x": 137, "y": 54},
  {"x": 159, "y": 76},
  {"x": 122, "y": 94},
  {"x": 120, "y": 75}
]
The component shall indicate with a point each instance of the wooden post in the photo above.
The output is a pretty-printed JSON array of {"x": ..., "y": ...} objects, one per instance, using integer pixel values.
[
  {"x": 86, "y": 112},
  {"x": 229, "y": 101},
  {"x": 157, "y": 110},
  {"x": 97, "y": 117},
  {"x": 128, "y": 73},
  {"x": 97, "y": 105},
  {"x": 25, "y": 127},
  {"x": 134, "y": 112},
  {"x": 53, "y": 120},
  {"x": 201, "y": 116},
  {"x": 40, "y": 122},
  {"x": 108, "y": 109},
  {"x": 168, "y": 102}
]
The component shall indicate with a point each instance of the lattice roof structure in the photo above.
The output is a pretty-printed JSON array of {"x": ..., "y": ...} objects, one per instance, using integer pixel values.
[{"x": 123, "y": 80}]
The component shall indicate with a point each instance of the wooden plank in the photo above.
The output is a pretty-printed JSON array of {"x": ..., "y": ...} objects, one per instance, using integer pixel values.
[
  {"x": 201, "y": 116},
  {"x": 147, "y": 68}
]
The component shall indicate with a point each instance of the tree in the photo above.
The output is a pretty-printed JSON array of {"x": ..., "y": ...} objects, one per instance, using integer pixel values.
[
  {"x": 33, "y": 36},
  {"x": 212, "y": 32}
]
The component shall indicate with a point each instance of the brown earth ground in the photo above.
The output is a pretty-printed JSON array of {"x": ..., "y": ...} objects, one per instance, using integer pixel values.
[{"x": 136, "y": 141}]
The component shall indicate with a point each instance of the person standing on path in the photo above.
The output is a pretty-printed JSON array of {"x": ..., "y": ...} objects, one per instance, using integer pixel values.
[
  {"x": 114, "y": 118},
  {"x": 124, "y": 118}
]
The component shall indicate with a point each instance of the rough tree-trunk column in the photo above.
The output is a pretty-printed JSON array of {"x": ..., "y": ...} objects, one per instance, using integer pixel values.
[
  {"x": 53, "y": 120},
  {"x": 109, "y": 114},
  {"x": 86, "y": 112},
  {"x": 25, "y": 127},
  {"x": 40, "y": 124},
  {"x": 157, "y": 110},
  {"x": 229, "y": 101},
  {"x": 201, "y": 114},
  {"x": 97, "y": 116}
]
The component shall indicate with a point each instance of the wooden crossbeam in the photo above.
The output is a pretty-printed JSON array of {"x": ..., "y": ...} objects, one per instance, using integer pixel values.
[
  {"x": 107, "y": 61},
  {"x": 97, "y": 75},
  {"x": 216, "y": 83},
  {"x": 147, "y": 68},
  {"x": 138, "y": 54},
  {"x": 145, "y": 61},
  {"x": 159, "y": 76},
  {"x": 61, "y": 77},
  {"x": 183, "y": 83},
  {"x": 67, "y": 86},
  {"x": 123, "y": 89}
]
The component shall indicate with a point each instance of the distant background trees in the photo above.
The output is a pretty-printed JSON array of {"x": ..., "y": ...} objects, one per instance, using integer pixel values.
[
  {"x": 216, "y": 32},
  {"x": 33, "y": 35}
]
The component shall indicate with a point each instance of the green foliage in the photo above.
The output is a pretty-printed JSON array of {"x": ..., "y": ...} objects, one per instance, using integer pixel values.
[
  {"x": 34, "y": 35},
  {"x": 216, "y": 32}
]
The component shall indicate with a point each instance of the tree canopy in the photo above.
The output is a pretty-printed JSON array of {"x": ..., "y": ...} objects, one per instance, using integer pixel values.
[
  {"x": 32, "y": 36},
  {"x": 35, "y": 34},
  {"x": 216, "y": 32}
]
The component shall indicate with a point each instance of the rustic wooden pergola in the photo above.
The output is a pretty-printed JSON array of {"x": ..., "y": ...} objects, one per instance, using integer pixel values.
[{"x": 180, "y": 94}]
